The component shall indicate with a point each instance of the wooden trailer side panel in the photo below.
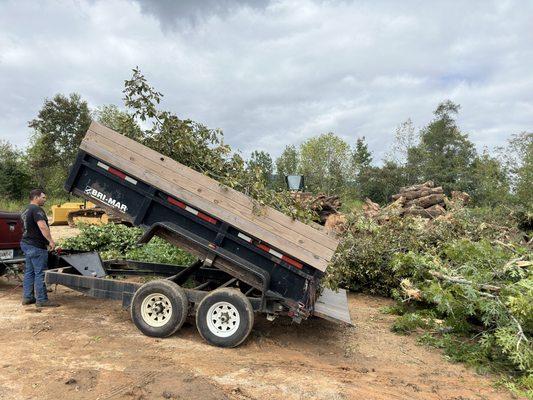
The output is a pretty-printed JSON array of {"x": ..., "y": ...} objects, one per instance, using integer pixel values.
[{"x": 292, "y": 237}]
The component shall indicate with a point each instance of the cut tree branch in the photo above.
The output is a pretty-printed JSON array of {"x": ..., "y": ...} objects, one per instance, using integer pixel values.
[{"x": 462, "y": 281}]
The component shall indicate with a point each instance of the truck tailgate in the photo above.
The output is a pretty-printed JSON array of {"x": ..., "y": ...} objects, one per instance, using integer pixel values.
[{"x": 333, "y": 306}]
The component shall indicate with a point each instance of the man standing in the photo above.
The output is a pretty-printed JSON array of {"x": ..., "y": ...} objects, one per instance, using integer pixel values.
[{"x": 35, "y": 239}]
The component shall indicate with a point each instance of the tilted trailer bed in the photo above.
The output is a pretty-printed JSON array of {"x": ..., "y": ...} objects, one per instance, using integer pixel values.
[{"x": 250, "y": 258}]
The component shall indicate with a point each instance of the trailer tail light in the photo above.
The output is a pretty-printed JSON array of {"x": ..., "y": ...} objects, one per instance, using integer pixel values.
[
  {"x": 117, "y": 173},
  {"x": 275, "y": 253},
  {"x": 193, "y": 211}
]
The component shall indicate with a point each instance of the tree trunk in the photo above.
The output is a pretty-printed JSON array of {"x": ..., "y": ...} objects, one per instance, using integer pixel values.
[
  {"x": 425, "y": 185},
  {"x": 415, "y": 194},
  {"x": 427, "y": 201}
]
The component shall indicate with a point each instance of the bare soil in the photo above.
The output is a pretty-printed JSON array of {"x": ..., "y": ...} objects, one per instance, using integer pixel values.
[
  {"x": 63, "y": 231},
  {"x": 89, "y": 349}
]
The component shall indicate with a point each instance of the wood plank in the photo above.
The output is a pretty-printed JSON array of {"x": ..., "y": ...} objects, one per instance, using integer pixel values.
[
  {"x": 233, "y": 219},
  {"x": 214, "y": 197},
  {"x": 174, "y": 167}
]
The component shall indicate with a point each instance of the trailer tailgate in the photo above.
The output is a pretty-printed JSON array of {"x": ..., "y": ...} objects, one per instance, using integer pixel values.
[{"x": 333, "y": 306}]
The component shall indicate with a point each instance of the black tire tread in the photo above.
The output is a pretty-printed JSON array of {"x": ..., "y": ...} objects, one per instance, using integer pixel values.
[
  {"x": 180, "y": 308},
  {"x": 238, "y": 299}
]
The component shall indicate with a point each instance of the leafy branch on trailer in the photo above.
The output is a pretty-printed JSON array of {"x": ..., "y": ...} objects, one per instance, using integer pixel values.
[{"x": 116, "y": 241}]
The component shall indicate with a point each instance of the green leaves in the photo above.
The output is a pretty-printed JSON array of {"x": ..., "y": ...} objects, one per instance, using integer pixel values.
[
  {"x": 119, "y": 241},
  {"x": 325, "y": 162},
  {"x": 201, "y": 148},
  {"x": 14, "y": 174},
  {"x": 58, "y": 130},
  {"x": 471, "y": 269}
]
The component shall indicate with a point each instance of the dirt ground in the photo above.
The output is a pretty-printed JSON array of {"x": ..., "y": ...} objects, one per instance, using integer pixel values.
[
  {"x": 89, "y": 349},
  {"x": 63, "y": 231}
]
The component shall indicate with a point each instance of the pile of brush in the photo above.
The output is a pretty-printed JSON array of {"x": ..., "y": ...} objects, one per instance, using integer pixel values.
[{"x": 324, "y": 205}]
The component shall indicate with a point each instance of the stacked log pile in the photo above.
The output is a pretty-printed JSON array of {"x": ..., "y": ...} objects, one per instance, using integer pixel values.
[{"x": 424, "y": 200}]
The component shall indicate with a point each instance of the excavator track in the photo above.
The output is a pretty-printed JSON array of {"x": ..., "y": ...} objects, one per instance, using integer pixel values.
[{"x": 92, "y": 216}]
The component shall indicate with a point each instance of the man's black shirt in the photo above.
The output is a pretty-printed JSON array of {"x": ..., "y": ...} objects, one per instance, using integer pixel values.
[{"x": 32, "y": 233}]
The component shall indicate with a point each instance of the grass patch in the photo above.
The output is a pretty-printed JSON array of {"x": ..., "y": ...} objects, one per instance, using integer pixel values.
[{"x": 19, "y": 205}]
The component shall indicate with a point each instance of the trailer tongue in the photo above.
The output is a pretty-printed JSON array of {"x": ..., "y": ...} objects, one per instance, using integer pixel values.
[{"x": 248, "y": 261}]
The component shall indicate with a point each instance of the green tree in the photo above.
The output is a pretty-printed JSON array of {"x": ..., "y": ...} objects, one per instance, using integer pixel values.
[
  {"x": 286, "y": 164},
  {"x": 361, "y": 162},
  {"x": 200, "y": 148},
  {"x": 325, "y": 163},
  {"x": 190, "y": 142},
  {"x": 361, "y": 156},
  {"x": 517, "y": 157},
  {"x": 118, "y": 120},
  {"x": 261, "y": 162},
  {"x": 524, "y": 191},
  {"x": 380, "y": 183},
  {"x": 57, "y": 132},
  {"x": 444, "y": 154},
  {"x": 491, "y": 182},
  {"x": 405, "y": 138},
  {"x": 14, "y": 174}
]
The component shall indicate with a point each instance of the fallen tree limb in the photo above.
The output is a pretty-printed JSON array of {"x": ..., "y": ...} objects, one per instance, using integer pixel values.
[
  {"x": 521, "y": 335},
  {"x": 427, "y": 201},
  {"x": 462, "y": 281}
]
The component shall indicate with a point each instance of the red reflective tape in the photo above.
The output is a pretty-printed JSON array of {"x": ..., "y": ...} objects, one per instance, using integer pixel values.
[
  {"x": 116, "y": 172},
  {"x": 292, "y": 262},
  {"x": 199, "y": 214},
  {"x": 288, "y": 260},
  {"x": 176, "y": 202},
  {"x": 263, "y": 247},
  {"x": 207, "y": 218}
]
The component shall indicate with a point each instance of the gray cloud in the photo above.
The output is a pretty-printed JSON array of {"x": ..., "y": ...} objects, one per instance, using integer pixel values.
[
  {"x": 182, "y": 13},
  {"x": 278, "y": 73}
]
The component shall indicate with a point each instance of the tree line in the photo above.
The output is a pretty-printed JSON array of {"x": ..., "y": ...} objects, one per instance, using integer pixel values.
[{"x": 439, "y": 151}]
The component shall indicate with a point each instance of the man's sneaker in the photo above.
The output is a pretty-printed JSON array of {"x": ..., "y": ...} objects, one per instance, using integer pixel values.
[
  {"x": 26, "y": 302},
  {"x": 47, "y": 303}
]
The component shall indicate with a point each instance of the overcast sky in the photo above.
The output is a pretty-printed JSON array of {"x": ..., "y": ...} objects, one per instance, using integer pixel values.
[{"x": 271, "y": 73}]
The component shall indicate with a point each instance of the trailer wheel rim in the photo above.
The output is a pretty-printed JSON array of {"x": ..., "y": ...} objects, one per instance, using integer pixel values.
[
  {"x": 156, "y": 310},
  {"x": 223, "y": 319}
]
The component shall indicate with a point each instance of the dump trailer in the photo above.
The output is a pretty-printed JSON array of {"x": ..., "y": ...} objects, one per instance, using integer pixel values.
[{"x": 251, "y": 258}]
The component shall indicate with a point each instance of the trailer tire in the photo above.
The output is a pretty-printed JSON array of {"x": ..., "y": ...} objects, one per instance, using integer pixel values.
[
  {"x": 225, "y": 317},
  {"x": 159, "y": 308}
]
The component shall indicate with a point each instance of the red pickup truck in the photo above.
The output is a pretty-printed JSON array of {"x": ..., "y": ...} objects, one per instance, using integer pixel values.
[{"x": 10, "y": 235}]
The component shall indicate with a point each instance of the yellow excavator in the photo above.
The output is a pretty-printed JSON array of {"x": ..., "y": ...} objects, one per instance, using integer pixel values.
[{"x": 72, "y": 213}]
